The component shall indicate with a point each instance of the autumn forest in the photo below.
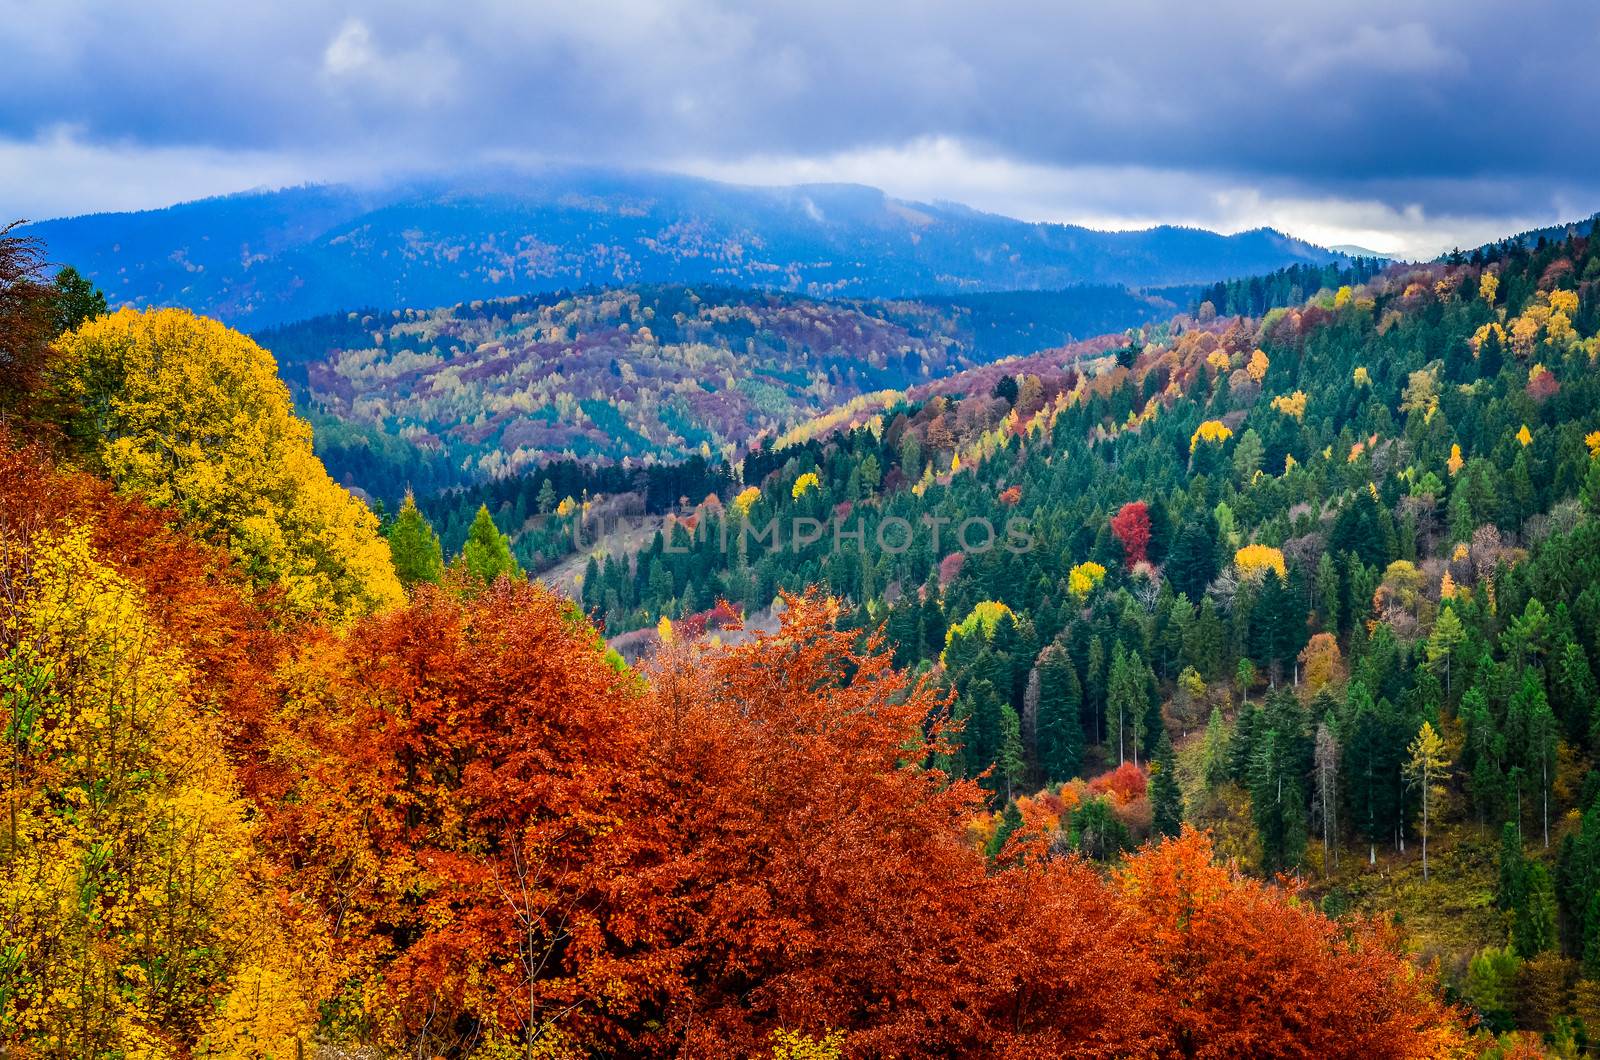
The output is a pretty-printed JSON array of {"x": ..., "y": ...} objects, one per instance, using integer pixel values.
[{"x": 1279, "y": 735}]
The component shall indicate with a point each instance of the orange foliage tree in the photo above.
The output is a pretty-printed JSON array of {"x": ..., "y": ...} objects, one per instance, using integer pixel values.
[
  {"x": 822, "y": 881},
  {"x": 1245, "y": 969},
  {"x": 458, "y": 782}
]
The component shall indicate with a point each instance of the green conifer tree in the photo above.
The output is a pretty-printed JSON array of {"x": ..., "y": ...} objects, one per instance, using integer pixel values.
[
  {"x": 487, "y": 553},
  {"x": 414, "y": 547},
  {"x": 1166, "y": 798}
]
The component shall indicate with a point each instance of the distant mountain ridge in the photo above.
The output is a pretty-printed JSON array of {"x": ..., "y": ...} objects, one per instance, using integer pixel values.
[{"x": 261, "y": 258}]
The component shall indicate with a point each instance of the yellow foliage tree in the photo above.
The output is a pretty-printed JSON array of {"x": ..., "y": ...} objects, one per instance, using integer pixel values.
[
  {"x": 1253, "y": 561},
  {"x": 804, "y": 484},
  {"x": 1421, "y": 394},
  {"x": 1082, "y": 579},
  {"x": 1213, "y": 431},
  {"x": 1428, "y": 764},
  {"x": 191, "y": 415},
  {"x": 1481, "y": 336},
  {"x": 1257, "y": 366},
  {"x": 793, "y": 1045},
  {"x": 1401, "y": 586},
  {"x": 1361, "y": 377},
  {"x": 131, "y": 904},
  {"x": 1524, "y": 436},
  {"x": 982, "y": 621},
  {"x": 1525, "y": 331},
  {"x": 745, "y": 500},
  {"x": 1487, "y": 286},
  {"x": 1455, "y": 463},
  {"x": 1291, "y": 404}
]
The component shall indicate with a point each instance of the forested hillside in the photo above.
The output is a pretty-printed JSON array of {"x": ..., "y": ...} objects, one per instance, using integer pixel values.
[
  {"x": 1323, "y": 579},
  {"x": 1014, "y": 334},
  {"x": 432, "y": 398},
  {"x": 278, "y": 787},
  {"x": 266, "y": 257}
]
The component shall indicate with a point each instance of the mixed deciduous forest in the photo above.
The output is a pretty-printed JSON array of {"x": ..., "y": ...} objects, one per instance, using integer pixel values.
[
  {"x": 1278, "y": 737},
  {"x": 1319, "y": 581},
  {"x": 635, "y": 377}
]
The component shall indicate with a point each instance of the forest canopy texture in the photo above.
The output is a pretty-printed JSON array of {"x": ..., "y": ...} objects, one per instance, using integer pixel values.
[{"x": 275, "y": 785}]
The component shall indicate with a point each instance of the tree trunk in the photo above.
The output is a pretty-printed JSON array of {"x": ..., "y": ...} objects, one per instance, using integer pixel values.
[{"x": 1425, "y": 801}]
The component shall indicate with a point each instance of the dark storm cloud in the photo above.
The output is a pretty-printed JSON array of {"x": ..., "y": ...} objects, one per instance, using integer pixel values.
[{"x": 1454, "y": 107}]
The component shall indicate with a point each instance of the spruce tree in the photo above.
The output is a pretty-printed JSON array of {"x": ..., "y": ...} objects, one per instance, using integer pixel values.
[
  {"x": 1277, "y": 802},
  {"x": 1060, "y": 728},
  {"x": 1126, "y": 701},
  {"x": 487, "y": 553},
  {"x": 1010, "y": 821},
  {"x": 414, "y": 547},
  {"x": 1533, "y": 928},
  {"x": 1512, "y": 886},
  {"x": 76, "y": 301},
  {"x": 1096, "y": 832},
  {"x": 1214, "y": 751},
  {"x": 1009, "y": 767},
  {"x": 1373, "y": 752},
  {"x": 1446, "y": 637},
  {"x": 1166, "y": 798},
  {"x": 1241, "y": 745},
  {"x": 981, "y": 707}
]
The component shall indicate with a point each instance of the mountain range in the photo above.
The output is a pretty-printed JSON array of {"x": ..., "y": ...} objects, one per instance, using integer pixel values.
[{"x": 267, "y": 257}]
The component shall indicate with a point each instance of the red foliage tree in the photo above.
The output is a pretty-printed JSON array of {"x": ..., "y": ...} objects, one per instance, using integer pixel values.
[
  {"x": 1542, "y": 385},
  {"x": 1126, "y": 782},
  {"x": 1131, "y": 524}
]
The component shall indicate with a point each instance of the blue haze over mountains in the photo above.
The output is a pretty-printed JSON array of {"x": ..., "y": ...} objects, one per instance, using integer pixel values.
[{"x": 262, "y": 258}]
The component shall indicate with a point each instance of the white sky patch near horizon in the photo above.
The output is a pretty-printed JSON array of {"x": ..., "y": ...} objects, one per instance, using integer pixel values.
[
  {"x": 61, "y": 175},
  {"x": 1119, "y": 197}
]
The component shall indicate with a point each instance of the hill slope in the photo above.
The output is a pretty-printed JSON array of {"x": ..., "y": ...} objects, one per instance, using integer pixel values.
[
  {"x": 1323, "y": 552},
  {"x": 642, "y": 374},
  {"x": 260, "y": 258}
]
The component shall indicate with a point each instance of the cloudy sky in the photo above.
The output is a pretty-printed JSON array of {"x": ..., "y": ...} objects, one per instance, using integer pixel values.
[{"x": 1406, "y": 128}]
